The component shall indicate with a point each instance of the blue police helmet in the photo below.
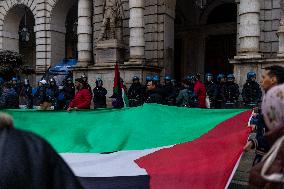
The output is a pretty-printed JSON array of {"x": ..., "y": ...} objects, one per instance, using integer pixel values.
[
  {"x": 149, "y": 78},
  {"x": 251, "y": 75},
  {"x": 14, "y": 79},
  {"x": 168, "y": 77},
  {"x": 220, "y": 76},
  {"x": 135, "y": 78},
  {"x": 231, "y": 77},
  {"x": 156, "y": 78},
  {"x": 209, "y": 75}
]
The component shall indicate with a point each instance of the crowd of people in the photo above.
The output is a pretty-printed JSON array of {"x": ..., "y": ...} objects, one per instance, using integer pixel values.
[{"x": 217, "y": 92}]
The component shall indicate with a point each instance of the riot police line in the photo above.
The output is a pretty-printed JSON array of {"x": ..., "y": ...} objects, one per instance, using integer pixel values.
[{"x": 220, "y": 91}]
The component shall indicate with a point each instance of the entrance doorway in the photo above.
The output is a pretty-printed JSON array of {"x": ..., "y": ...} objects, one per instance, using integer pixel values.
[{"x": 219, "y": 49}]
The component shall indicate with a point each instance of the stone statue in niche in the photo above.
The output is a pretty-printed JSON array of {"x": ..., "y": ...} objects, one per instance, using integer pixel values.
[{"x": 112, "y": 21}]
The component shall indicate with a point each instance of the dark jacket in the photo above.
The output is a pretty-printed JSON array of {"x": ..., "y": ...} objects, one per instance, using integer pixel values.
[
  {"x": 28, "y": 162},
  {"x": 9, "y": 99},
  {"x": 136, "y": 94},
  {"x": 155, "y": 96},
  {"x": 69, "y": 91},
  {"x": 99, "y": 97},
  {"x": 230, "y": 92},
  {"x": 52, "y": 93},
  {"x": 39, "y": 95},
  {"x": 251, "y": 92},
  {"x": 187, "y": 98},
  {"x": 26, "y": 96}
]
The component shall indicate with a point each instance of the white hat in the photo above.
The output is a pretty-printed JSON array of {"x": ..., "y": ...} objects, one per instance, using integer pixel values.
[{"x": 43, "y": 82}]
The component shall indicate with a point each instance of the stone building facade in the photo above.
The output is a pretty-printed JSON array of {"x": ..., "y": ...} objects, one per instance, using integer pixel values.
[{"x": 174, "y": 37}]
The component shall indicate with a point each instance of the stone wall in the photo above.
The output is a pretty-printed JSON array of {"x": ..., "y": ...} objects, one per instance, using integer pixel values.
[{"x": 269, "y": 24}]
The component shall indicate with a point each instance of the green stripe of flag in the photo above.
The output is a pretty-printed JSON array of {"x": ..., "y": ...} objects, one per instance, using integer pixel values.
[{"x": 146, "y": 127}]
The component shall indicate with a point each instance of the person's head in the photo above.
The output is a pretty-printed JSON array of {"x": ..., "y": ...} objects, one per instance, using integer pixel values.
[
  {"x": 69, "y": 80},
  {"x": 156, "y": 79},
  {"x": 168, "y": 79},
  {"x": 99, "y": 82},
  {"x": 152, "y": 85},
  {"x": 6, "y": 121},
  {"x": 79, "y": 83},
  {"x": 148, "y": 78},
  {"x": 231, "y": 78},
  {"x": 174, "y": 82},
  {"x": 272, "y": 76},
  {"x": 251, "y": 76},
  {"x": 221, "y": 78},
  {"x": 14, "y": 80},
  {"x": 135, "y": 80},
  {"x": 198, "y": 76},
  {"x": 273, "y": 106},
  {"x": 52, "y": 82},
  {"x": 194, "y": 79},
  {"x": 84, "y": 78},
  {"x": 209, "y": 77}
]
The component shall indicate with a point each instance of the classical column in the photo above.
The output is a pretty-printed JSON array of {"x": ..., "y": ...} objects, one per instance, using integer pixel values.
[
  {"x": 281, "y": 32},
  {"x": 84, "y": 31},
  {"x": 249, "y": 29},
  {"x": 137, "y": 27}
]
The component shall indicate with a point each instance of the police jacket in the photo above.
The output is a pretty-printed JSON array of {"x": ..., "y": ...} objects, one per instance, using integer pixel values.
[
  {"x": 251, "y": 92},
  {"x": 9, "y": 99},
  {"x": 155, "y": 96},
  {"x": 99, "y": 97},
  {"x": 230, "y": 92},
  {"x": 69, "y": 91}
]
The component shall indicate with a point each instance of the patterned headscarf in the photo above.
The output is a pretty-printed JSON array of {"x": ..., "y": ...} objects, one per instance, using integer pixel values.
[{"x": 273, "y": 107}]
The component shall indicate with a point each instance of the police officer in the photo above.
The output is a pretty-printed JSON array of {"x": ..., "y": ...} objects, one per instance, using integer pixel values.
[
  {"x": 211, "y": 89},
  {"x": 170, "y": 91},
  {"x": 52, "y": 93},
  {"x": 251, "y": 92},
  {"x": 85, "y": 79},
  {"x": 68, "y": 92},
  {"x": 154, "y": 94},
  {"x": 16, "y": 85},
  {"x": 39, "y": 94},
  {"x": 230, "y": 92},
  {"x": 26, "y": 97},
  {"x": 136, "y": 93},
  {"x": 159, "y": 88},
  {"x": 99, "y": 95},
  {"x": 221, "y": 81}
]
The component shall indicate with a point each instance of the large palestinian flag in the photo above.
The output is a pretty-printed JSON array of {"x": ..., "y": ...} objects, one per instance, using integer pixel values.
[{"x": 152, "y": 146}]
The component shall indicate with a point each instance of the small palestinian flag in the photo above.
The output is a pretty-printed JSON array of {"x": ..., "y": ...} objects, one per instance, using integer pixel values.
[
  {"x": 151, "y": 146},
  {"x": 119, "y": 90}
]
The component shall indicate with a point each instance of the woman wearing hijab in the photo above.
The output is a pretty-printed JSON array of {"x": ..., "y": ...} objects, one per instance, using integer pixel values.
[{"x": 269, "y": 174}]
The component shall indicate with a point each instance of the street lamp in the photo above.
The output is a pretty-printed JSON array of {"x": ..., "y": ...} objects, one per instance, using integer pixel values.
[{"x": 24, "y": 33}]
